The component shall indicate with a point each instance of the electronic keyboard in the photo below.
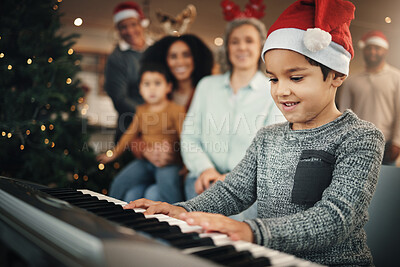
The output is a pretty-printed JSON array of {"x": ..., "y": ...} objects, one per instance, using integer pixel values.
[{"x": 43, "y": 226}]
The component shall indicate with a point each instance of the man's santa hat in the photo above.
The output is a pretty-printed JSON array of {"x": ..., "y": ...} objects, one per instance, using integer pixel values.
[
  {"x": 318, "y": 29},
  {"x": 374, "y": 38},
  {"x": 127, "y": 10}
]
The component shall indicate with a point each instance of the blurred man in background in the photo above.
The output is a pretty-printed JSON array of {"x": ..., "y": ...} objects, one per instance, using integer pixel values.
[{"x": 374, "y": 94}]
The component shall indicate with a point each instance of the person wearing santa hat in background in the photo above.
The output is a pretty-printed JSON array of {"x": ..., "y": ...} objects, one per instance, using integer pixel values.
[
  {"x": 313, "y": 176},
  {"x": 374, "y": 94},
  {"x": 121, "y": 71}
]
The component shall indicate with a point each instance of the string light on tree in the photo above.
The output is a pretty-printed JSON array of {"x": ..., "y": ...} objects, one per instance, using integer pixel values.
[
  {"x": 29, "y": 61},
  {"x": 70, "y": 51},
  {"x": 69, "y": 81},
  {"x": 1, "y": 55},
  {"x": 78, "y": 22},
  {"x": 50, "y": 60},
  {"x": 101, "y": 166},
  {"x": 109, "y": 153},
  {"x": 9, "y": 67}
]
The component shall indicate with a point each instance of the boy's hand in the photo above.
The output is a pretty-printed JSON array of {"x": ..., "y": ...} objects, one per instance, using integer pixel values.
[
  {"x": 206, "y": 178},
  {"x": 103, "y": 158},
  {"x": 218, "y": 223},
  {"x": 156, "y": 207}
]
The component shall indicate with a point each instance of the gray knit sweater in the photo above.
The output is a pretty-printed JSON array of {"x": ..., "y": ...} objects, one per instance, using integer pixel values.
[{"x": 313, "y": 189}]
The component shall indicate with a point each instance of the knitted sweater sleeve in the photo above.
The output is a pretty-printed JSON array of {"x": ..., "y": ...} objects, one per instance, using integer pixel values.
[
  {"x": 341, "y": 212},
  {"x": 236, "y": 193}
]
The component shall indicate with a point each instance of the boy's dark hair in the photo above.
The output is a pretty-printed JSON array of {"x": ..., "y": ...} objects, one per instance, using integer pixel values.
[
  {"x": 154, "y": 67},
  {"x": 325, "y": 70}
]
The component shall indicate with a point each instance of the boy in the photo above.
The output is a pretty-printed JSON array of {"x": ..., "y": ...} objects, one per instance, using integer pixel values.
[
  {"x": 313, "y": 176},
  {"x": 157, "y": 121}
]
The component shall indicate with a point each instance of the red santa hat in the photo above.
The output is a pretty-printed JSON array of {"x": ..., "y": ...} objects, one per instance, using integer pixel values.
[
  {"x": 374, "y": 38},
  {"x": 318, "y": 29},
  {"x": 126, "y": 10}
]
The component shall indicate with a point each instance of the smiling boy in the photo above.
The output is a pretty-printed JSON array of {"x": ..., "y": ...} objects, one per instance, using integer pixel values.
[{"x": 313, "y": 176}]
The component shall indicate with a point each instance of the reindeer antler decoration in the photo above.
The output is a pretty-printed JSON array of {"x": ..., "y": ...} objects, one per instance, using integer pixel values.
[
  {"x": 179, "y": 24},
  {"x": 253, "y": 9}
]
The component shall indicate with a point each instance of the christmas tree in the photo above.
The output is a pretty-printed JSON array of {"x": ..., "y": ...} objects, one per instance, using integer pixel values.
[{"x": 43, "y": 137}]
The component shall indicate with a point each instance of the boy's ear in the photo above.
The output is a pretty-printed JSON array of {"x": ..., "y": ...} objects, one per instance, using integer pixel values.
[{"x": 338, "y": 79}]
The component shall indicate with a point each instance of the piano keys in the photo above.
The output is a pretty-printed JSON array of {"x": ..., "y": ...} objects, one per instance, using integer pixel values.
[{"x": 84, "y": 228}]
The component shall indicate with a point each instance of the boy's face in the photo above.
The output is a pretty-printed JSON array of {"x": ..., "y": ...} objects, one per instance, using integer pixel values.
[
  {"x": 299, "y": 91},
  {"x": 154, "y": 88}
]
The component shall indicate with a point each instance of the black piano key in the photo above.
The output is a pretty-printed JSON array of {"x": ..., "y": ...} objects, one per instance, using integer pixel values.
[
  {"x": 49, "y": 190},
  {"x": 151, "y": 224},
  {"x": 190, "y": 243},
  {"x": 138, "y": 221},
  {"x": 97, "y": 204},
  {"x": 66, "y": 198},
  {"x": 160, "y": 230},
  {"x": 100, "y": 209},
  {"x": 232, "y": 257},
  {"x": 212, "y": 252},
  {"x": 65, "y": 194},
  {"x": 109, "y": 213},
  {"x": 82, "y": 202},
  {"x": 247, "y": 263},
  {"x": 178, "y": 236},
  {"x": 256, "y": 262},
  {"x": 124, "y": 216}
]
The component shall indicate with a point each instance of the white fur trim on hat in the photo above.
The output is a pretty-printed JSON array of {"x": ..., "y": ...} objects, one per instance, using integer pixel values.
[
  {"x": 333, "y": 56},
  {"x": 124, "y": 14},
  {"x": 375, "y": 40}
]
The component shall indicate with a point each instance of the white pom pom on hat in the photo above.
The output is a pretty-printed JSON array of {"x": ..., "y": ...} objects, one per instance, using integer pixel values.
[
  {"x": 309, "y": 27},
  {"x": 316, "y": 39}
]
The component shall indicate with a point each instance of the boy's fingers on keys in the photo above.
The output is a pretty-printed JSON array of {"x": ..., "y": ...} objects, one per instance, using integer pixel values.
[
  {"x": 141, "y": 203},
  {"x": 165, "y": 208},
  {"x": 219, "y": 223}
]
